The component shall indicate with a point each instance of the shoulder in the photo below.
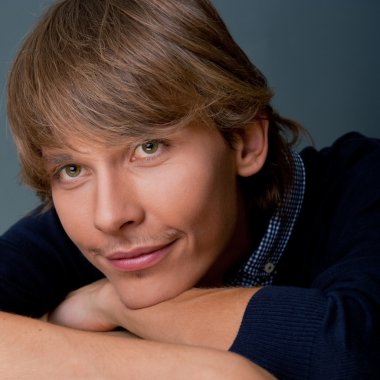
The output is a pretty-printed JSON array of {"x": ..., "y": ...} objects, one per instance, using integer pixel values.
[
  {"x": 348, "y": 168},
  {"x": 352, "y": 151},
  {"x": 340, "y": 215},
  {"x": 39, "y": 265},
  {"x": 37, "y": 228},
  {"x": 343, "y": 179}
]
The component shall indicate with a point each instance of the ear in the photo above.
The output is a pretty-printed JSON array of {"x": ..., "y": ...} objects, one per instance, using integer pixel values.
[{"x": 252, "y": 147}]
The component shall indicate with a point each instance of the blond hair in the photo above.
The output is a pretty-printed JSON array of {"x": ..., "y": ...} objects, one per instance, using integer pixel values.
[{"x": 117, "y": 68}]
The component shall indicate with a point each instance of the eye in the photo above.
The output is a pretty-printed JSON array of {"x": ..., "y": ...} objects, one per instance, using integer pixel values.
[
  {"x": 72, "y": 170},
  {"x": 69, "y": 172},
  {"x": 150, "y": 147},
  {"x": 148, "y": 150}
]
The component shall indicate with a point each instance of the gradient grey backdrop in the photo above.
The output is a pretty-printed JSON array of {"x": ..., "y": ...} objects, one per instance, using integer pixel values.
[{"x": 321, "y": 57}]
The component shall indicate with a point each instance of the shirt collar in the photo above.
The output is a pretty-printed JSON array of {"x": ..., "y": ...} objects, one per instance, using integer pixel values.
[{"x": 260, "y": 267}]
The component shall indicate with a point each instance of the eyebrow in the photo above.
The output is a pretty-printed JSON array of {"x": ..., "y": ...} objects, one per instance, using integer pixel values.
[{"x": 57, "y": 158}]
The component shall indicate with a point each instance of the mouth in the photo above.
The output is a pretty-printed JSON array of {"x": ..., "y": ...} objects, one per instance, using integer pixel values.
[{"x": 139, "y": 258}]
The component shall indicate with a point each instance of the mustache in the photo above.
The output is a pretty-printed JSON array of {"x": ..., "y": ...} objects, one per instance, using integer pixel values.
[{"x": 130, "y": 242}]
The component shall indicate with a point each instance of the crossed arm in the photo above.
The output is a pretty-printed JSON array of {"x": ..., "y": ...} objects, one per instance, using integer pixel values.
[
  {"x": 38, "y": 350},
  {"x": 200, "y": 317}
]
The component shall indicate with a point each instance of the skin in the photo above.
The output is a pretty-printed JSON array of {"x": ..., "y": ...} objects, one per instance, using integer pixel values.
[
  {"x": 162, "y": 296},
  {"x": 132, "y": 195},
  {"x": 180, "y": 197},
  {"x": 67, "y": 354},
  {"x": 121, "y": 195},
  {"x": 199, "y": 317}
]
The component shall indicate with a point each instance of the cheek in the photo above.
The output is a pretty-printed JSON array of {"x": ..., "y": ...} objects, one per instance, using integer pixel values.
[
  {"x": 74, "y": 214},
  {"x": 198, "y": 198}
]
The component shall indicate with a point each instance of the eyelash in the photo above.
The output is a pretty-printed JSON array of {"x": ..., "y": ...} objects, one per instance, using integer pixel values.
[
  {"x": 162, "y": 144},
  {"x": 58, "y": 173}
]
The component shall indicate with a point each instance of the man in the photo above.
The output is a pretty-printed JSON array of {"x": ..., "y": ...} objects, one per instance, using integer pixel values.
[{"x": 151, "y": 141}]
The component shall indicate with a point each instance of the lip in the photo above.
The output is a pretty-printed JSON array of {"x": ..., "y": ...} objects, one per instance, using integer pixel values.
[{"x": 139, "y": 258}]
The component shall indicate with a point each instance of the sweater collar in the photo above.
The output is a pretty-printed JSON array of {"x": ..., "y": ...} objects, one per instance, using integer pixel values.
[{"x": 260, "y": 267}]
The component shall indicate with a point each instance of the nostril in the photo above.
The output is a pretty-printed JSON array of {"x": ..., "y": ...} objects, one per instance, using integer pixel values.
[{"x": 112, "y": 220}]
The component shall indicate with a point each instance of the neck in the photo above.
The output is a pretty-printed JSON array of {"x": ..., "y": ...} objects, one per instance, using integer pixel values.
[{"x": 244, "y": 240}]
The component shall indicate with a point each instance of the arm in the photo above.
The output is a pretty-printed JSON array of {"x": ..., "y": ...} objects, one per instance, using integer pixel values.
[
  {"x": 295, "y": 332},
  {"x": 323, "y": 317},
  {"x": 199, "y": 317},
  {"x": 38, "y": 350}
]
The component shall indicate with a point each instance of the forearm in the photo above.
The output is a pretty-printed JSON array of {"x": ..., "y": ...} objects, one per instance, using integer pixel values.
[
  {"x": 33, "y": 349},
  {"x": 309, "y": 333},
  {"x": 201, "y": 317}
]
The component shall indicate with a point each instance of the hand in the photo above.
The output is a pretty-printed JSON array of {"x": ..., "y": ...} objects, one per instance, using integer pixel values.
[
  {"x": 92, "y": 307},
  {"x": 200, "y": 317}
]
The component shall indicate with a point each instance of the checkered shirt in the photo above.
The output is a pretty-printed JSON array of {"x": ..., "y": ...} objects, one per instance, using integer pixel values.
[{"x": 260, "y": 267}]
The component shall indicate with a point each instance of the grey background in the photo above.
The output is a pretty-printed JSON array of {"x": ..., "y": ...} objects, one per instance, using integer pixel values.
[{"x": 321, "y": 57}]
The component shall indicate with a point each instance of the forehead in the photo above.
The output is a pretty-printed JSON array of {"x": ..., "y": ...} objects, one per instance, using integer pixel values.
[
  {"x": 82, "y": 132},
  {"x": 110, "y": 133},
  {"x": 77, "y": 147},
  {"x": 64, "y": 147}
]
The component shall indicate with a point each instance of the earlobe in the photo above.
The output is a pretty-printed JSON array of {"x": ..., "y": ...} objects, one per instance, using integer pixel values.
[{"x": 252, "y": 148}]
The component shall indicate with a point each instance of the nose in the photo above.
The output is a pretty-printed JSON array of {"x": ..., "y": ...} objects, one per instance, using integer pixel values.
[{"x": 117, "y": 204}]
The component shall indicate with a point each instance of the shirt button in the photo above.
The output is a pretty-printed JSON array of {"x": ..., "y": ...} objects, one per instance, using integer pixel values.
[{"x": 269, "y": 267}]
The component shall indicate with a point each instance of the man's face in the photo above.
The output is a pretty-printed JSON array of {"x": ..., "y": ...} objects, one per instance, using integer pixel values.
[{"x": 155, "y": 214}]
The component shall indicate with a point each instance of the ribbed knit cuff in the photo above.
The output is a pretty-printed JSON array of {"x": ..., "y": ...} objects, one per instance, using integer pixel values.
[{"x": 279, "y": 327}]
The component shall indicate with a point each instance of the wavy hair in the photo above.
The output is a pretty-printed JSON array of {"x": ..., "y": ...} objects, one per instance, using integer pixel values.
[{"x": 112, "y": 69}]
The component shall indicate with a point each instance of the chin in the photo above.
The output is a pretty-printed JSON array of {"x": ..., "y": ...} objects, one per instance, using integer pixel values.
[{"x": 141, "y": 298}]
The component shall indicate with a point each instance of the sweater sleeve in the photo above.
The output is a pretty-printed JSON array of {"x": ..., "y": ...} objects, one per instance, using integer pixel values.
[
  {"x": 329, "y": 327},
  {"x": 39, "y": 265}
]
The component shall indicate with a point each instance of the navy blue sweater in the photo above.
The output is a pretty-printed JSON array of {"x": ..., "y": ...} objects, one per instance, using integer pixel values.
[{"x": 321, "y": 317}]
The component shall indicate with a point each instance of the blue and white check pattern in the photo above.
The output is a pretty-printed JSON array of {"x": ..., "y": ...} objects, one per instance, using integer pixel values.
[{"x": 260, "y": 267}]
